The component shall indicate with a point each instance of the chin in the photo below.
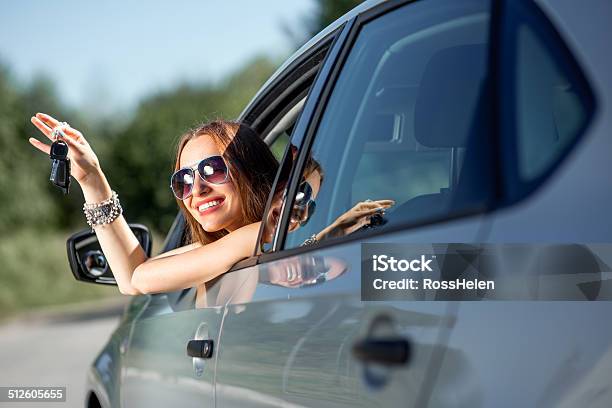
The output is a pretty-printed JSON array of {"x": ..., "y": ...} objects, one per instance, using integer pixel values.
[
  {"x": 213, "y": 225},
  {"x": 210, "y": 226}
]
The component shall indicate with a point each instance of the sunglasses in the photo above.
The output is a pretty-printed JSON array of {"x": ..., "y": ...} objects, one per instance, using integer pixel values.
[
  {"x": 304, "y": 205},
  {"x": 212, "y": 170}
]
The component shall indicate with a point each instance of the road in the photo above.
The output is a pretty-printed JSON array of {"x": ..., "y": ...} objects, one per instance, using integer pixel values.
[{"x": 53, "y": 351}]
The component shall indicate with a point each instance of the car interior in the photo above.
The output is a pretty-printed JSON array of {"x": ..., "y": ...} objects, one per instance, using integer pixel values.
[
  {"x": 429, "y": 121},
  {"x": 409, "y": 126}
]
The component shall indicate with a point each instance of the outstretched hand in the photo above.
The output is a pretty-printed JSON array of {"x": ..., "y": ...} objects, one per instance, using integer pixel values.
[
  {"x": 355, "y": 218},
  {"x": 84, "y": 161}
]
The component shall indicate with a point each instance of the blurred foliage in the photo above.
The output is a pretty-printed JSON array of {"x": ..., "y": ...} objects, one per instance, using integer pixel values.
[
  {"x": 18, "y": 169},
  {"x": 325, "y": 13},
  {"x": 35, "y": 272},
  {"x": 137, "y": 157},
  {"x": 136, "y": 152}
]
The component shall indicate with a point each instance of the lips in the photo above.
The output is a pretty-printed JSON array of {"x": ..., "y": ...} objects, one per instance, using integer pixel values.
[{"x": 209, "y": 205}]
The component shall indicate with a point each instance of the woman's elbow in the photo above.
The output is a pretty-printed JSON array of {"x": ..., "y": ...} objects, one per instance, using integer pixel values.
[
  {"x": 130, "y": 291},
  {"x": 139, "y": 284},
  {"x": 128, "y": 288}
]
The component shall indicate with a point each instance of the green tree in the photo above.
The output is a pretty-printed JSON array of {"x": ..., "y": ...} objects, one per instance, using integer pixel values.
[
  {"x": 24, "y": 172},
  {"x": 325, "y": 13},
  {"x": 328, "y": 11}
]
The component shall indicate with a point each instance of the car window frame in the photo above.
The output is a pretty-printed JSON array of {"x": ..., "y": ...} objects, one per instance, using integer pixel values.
[
  {"x": 357, "y": 23},
  {"x": 513, "y": 188}
]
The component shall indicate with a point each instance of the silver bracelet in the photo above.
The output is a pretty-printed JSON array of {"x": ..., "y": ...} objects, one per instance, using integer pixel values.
[
  {"x": 310, "y": 241},
  {"x": 103, "y": 212}
]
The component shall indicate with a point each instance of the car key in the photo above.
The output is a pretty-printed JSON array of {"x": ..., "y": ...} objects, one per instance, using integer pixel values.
[{"x": 60, "y": 165}]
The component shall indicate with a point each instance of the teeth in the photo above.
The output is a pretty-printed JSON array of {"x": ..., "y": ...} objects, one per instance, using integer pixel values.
[{"x": 208, "y": 205}]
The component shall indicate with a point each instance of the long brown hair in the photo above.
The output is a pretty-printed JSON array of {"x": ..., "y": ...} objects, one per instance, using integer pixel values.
[{"x": 252, "y": 168}]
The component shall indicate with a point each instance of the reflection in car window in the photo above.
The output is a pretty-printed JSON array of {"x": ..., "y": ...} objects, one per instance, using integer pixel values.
[
  {"x": 261, "y": 282},
  {"x": 279, "y": 145},
  {"x": 280, "y": 279},
  {"x": 394, "y": 145}
]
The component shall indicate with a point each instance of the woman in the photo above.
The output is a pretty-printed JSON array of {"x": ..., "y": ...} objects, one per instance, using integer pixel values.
[
  {"x": 222, "y": 207},
  {"x": 223, "y": 176}
]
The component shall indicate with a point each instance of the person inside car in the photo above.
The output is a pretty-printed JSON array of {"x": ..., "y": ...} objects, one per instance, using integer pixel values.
[
  {"x": 304, "y": 206},
  {"x": 223, "y": 175}
]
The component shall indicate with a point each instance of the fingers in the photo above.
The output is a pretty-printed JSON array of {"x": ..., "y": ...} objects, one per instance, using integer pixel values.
[
  {"x": 73, "y": 133},
  {"x": 364, "y": 205},
  {"x": 367, "y": 212},
  {"x": 47, "y": 120},
  {"x": 46, "y": 124},
  {"x": 45, "y": 148},
  {"x": 385, "y": 203},
  {"x": 42, "y": 127}
]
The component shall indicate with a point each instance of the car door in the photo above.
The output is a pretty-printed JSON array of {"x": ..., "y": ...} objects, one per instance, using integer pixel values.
[
  {"x": 373, "y": 127},
  {"x": 549, "y": 343},
  {"x": 159, "y": 369}
]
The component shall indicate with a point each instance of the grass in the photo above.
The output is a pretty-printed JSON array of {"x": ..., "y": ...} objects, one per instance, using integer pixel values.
[{"x": 34, "y": 273}]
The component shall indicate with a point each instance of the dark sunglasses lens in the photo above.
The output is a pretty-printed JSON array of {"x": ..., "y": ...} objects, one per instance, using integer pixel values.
[
  {"x": 213, "y": 170},
  {"x": 182, "y": 183},
  {"x": 310, "y": 209},
  {"x": 303, "y": 195}
]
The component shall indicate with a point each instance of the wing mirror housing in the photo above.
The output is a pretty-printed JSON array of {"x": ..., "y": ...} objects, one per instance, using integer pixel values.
[{"x": 88, "y": 262}]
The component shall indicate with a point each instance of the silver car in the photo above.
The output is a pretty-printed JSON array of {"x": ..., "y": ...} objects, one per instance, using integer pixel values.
[{"x": 488, "y": 123}]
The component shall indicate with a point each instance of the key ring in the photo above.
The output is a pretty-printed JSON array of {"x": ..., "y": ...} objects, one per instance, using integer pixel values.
[{"x": 57, "y": 132}]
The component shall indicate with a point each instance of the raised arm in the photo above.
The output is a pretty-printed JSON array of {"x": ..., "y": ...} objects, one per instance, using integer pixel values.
[{"x": 119, "y": 244}]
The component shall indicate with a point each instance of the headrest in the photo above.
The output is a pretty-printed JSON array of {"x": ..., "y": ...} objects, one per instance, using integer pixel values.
[
  {"x": 448, "y": 96},
  {"x": 396, "y": 99}
]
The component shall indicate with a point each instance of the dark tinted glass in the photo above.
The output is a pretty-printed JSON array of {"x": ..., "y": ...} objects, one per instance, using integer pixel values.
[
  {"x": 213, "y": 170},
  {"x": 406, "y": 123},
  {"x": 182, "y": 183},
  {"x": 546, "y": 101}
]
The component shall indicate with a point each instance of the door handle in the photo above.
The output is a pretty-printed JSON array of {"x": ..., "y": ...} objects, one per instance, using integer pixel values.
[
  {"x": 200, "y": 348},
  {"x": 386, "y": 351}
]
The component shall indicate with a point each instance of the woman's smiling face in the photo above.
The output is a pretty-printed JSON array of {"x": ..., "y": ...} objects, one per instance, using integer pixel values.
[{"x": 214, "y": 206}]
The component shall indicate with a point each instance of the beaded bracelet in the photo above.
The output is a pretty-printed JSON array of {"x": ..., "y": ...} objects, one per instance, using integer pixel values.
[{"x": 103, "y": 212}]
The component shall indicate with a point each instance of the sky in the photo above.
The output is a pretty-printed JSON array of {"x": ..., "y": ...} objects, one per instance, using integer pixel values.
[{"x": 112, "y": 53}]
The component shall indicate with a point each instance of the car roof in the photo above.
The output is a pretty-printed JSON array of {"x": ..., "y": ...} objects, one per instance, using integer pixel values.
[{"x": 366, "y": 5}]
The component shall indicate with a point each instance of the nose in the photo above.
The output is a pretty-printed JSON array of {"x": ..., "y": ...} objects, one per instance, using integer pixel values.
[{"x": 200, "y": 187}]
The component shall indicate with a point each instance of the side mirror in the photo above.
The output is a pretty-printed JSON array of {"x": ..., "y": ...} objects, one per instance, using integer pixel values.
[{"x": 87, "y": 261}]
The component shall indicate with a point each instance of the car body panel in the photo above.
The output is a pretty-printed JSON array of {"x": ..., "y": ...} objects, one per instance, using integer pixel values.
[
  {"x": 528, "y": 354},
  {"x": 300, "y": 338},
  {"x": 157, "y": 369},
  {"x": 570, "y": 206},
  {"x": 291, "y": 346}
]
